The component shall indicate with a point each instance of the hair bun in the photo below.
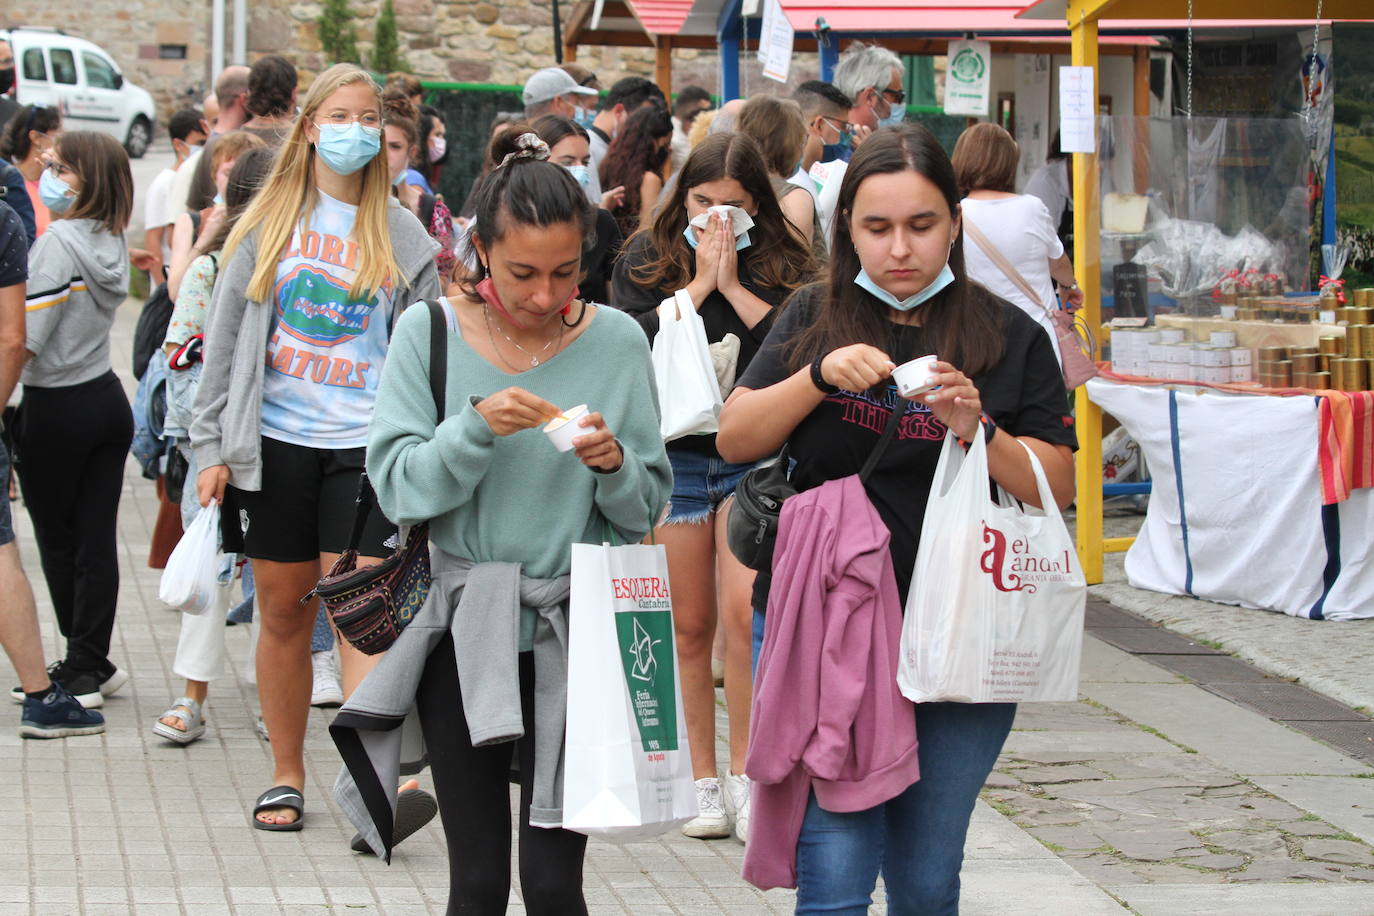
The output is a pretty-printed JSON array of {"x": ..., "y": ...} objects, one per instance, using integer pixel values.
[{"x": 528, "y": 146}]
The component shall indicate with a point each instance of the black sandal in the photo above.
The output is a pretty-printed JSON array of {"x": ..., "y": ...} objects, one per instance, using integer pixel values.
[
  {"x": 414, "y": 809},
  {"x": 280, "y": 797}
]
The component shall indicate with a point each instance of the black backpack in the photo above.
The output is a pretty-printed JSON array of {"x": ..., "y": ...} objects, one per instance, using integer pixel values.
[{"x": 151, "y": 329}]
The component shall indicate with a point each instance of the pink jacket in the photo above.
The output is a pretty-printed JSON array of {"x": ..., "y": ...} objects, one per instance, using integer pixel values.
[{"x": 827, "y": 715}]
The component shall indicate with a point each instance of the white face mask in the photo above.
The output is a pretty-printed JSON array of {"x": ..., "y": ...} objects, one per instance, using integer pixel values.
[{"x": 437, "y": 147}]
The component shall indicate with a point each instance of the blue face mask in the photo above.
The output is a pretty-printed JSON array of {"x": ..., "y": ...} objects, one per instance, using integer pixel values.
[
  {"x": 895, "y": 117},
  {"x": 400, "y": 177},
  {"x": 741, "y": 243},
  {"x": 219, "y": 200},
  {"x": 945, "y": 278},
  {"x": 582, "y": 173},
  {"x": 584, "y": 117},
  {"x": 345, "y": 148},
  {"x": 55, "y": 193},
  {"x": 840, "y": 150}
]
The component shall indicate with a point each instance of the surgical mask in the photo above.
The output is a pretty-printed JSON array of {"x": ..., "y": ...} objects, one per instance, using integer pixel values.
[
  {"x": 582, "y": 173},
  {"x": 740, "y": 224},
  {"x": 345, "y": 148},
  {"x": 486, "y": 288},
  {"x": 55, "y": 193},
  {"x": 219, "y": 200},
  {"x": 584, "y": 117},
  {"x": 400, "y": 177},
  {"x": 437, "y": 147},
  {"x": 894, "y": 117},
  {"x": 943, "y": 279},
  {"x": 841, "y": 150}
]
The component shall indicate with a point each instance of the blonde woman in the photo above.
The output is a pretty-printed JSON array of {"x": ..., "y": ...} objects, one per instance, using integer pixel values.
[{"x": 315, "y": 274}]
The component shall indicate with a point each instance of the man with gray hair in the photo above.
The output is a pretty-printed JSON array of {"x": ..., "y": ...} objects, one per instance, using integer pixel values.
[
  {"x": 553, "y": 91},
  {"x": 871, "y": 76}
]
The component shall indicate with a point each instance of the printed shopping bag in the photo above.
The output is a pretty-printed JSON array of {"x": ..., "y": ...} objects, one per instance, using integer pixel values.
[
  {"x": 688, "y": 390},
  {"x": 192, "y": 573},
  {"x": 627, "y": 772},
  {"x": 995, "y": 611}
]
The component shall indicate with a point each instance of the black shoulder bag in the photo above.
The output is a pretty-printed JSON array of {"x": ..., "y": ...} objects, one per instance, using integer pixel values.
[
  {"x": 371, "y": 606},
  {"x": 752, "y": 528}
]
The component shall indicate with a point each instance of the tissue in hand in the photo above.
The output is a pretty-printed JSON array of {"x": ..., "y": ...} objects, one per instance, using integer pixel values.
[{"x": 740, "y": 222}]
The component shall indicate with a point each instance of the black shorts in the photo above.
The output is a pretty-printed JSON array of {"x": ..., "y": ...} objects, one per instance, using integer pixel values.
[{"x": 306, "y": 506}]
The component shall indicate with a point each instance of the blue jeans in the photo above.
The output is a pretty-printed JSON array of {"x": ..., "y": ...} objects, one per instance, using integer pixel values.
[
  {"x": 916, "y": 840},
  {"x": 700, "y": 484}
]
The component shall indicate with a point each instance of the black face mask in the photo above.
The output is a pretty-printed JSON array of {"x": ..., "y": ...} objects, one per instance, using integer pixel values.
[
  {"x": 6, "y": 79},
  {"x": 661, "y": 157}
]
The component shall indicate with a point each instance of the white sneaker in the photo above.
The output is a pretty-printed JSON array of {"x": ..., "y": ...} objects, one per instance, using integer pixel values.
[
  {"x": 737, "y": 800},
  {"x": 326, "y": 691},
  {"x": 711, "y": 822}
]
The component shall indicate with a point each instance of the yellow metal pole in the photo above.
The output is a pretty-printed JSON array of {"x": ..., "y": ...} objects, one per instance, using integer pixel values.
[{"x": 1087, "y": 266}]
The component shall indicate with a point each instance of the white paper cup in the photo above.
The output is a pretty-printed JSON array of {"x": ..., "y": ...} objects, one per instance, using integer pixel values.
[
  {"x": 911, "y": 377},
  {"x": 564, "y": 429}
]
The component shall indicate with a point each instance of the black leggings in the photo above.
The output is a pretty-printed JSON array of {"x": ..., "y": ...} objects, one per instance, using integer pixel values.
[
  {"x": 474, "y": 804},
  {"x": 72, "y": 443}
]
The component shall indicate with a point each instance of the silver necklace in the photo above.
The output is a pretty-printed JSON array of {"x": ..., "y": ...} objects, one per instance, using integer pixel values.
[{"x": 533, "y": 358}]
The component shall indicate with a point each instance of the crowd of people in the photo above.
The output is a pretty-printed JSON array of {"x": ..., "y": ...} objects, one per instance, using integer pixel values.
[{"x": 305, "y": 260}]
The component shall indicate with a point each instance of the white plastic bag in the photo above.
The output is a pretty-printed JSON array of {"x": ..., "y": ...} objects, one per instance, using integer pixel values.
[
  {"x": 688, "y": 391},
  {"x": 627, "y": 770},
  {"x": 192, "y": 573},
  {"x": 995, "y": 611}
]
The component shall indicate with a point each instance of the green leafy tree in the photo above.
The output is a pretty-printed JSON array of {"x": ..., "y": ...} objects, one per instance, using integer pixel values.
[
  {"x": 337, "y": 34},
  {"x": 386, "y": 45}
]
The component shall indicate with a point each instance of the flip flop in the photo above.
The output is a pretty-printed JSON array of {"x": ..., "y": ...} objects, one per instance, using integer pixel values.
[
  {"x": 280, "y": 797},
  {"x": 188, "y": 711},
  {"x": 414, "y": 809}
]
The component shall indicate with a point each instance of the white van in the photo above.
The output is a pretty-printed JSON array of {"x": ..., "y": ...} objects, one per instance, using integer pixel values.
[{"x": 54, "y": 68}]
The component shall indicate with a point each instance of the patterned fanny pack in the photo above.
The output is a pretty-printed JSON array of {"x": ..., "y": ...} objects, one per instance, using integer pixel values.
[{"x": 372, "y": 605}]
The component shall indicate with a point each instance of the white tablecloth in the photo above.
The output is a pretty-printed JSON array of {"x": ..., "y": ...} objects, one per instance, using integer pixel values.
[{"x": 1235, "y": 514}]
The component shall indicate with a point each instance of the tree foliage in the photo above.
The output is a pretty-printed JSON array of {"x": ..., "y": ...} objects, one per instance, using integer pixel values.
[
  {"x": 386, "y": 44},
  {"x": 337, "y": 35}
]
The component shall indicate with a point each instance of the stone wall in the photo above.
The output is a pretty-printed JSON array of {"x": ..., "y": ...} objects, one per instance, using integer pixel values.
[{"x": 500, "y": 41}]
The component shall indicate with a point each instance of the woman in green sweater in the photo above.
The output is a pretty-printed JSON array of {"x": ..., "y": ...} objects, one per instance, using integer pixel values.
[{"x": 504, "y": 506}]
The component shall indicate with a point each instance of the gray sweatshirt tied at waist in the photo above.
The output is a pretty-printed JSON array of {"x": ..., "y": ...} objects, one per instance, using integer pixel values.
[{"x": 479, "y": 605}]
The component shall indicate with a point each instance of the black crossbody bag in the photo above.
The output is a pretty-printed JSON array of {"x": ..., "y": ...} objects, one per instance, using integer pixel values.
[{"x": 752, "y": 529}]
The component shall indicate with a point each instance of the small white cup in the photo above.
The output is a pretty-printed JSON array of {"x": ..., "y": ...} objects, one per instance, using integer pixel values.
[
  {"x": 911, "y": 377},
  {"x": 563, "y": 429}
]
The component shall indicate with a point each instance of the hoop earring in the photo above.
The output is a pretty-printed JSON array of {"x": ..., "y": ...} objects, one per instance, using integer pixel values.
[{"x": 580, "y": 315}]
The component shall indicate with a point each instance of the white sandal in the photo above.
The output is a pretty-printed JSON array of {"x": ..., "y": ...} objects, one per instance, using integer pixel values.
[{"x": 193, "y": 720}]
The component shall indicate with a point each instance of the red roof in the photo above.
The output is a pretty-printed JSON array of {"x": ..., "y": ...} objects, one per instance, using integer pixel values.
[
  {"x": 662, "y": 17},
  {"x": 909, "y": 16}
]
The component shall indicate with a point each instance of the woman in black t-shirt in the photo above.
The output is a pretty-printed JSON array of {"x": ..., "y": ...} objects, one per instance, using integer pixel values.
[
  {"x": 736, "y": 285},
  {"x": 822, "y": 385}
]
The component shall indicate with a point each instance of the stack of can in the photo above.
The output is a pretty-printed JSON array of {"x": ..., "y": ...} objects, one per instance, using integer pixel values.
[
  {"x": 1274, "y": 368},
  {"x": 1351, "y": 367},
  {"x": 1131, "y": 350}
]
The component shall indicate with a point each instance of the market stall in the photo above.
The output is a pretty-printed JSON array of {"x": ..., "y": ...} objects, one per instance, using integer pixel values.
[
  {"x": 1237, "y": 513},
  {"x": 1083, "y": 19}
]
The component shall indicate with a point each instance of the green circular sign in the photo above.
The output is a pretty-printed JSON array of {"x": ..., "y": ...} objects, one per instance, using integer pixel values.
[{"x": 968, "y": 66}]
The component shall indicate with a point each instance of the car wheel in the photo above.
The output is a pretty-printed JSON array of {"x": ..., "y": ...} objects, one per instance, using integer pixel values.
[{"x": 140, "y": 135}]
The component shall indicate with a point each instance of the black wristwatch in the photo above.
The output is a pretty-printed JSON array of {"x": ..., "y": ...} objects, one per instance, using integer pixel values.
[{"x": 818, "y": 379}]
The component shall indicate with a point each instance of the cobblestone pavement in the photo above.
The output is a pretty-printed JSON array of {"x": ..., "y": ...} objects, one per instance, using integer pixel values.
[
  {"x": 1329, "y": 656},
  {"x": 1150, "y": 796}
]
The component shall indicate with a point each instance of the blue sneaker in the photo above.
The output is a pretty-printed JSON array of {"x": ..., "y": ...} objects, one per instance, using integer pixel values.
[{"x": 57, "y": 714}]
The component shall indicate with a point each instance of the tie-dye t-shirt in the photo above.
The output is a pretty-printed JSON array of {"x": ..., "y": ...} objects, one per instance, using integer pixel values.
[{"x": 325, "y": 352}]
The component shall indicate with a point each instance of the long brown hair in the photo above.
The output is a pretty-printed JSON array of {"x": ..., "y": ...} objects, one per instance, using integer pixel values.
[
  {"x": 107, "y": 184},
  {"x": 632, "y": 153},
  {"x": 778, "y": 257},
  {"x": 963, "y": 322}
]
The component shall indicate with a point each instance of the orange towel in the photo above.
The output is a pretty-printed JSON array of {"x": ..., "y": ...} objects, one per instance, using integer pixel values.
[{"x": 1345, "y": 443}]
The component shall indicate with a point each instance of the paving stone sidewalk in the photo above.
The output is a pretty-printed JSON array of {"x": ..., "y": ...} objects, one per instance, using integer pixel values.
[{"x": 1151, "y": 796}]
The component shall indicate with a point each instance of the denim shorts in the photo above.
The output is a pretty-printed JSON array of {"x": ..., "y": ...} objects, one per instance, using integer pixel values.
[
  {"x": 6, "y": 521},
  {"x": 700, "y": 484}
]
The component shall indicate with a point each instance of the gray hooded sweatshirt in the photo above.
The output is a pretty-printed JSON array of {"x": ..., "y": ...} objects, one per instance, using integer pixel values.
[{"x": 78, "y": 276}]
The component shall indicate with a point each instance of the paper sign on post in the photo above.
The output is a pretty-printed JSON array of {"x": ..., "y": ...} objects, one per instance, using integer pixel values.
[
  {"x": 966, "y": 78},
  {"x": 1077, "y": 110},
  {"x": 775, "y": 42}
]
